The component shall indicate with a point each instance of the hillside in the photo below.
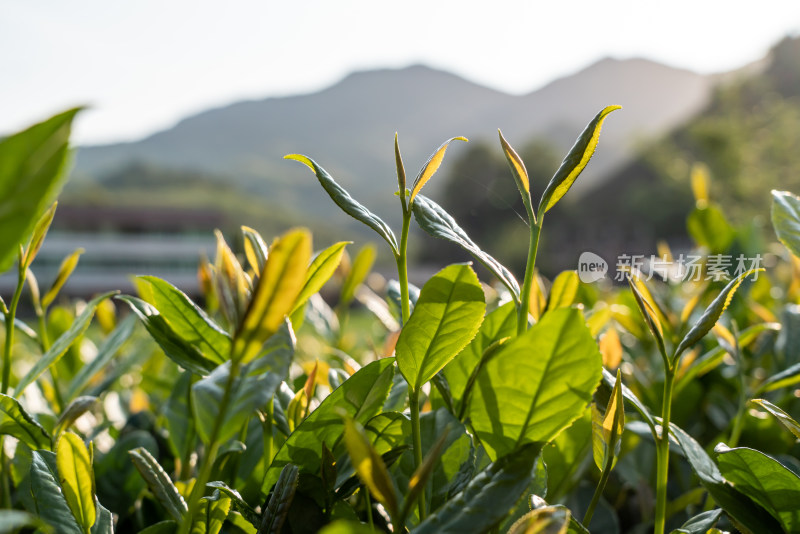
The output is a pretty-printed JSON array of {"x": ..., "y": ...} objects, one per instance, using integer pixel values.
[{"x": 349, "y": 128}]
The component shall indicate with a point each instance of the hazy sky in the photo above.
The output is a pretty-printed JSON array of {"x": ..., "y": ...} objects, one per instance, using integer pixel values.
[{"x": 143, "y": 64}]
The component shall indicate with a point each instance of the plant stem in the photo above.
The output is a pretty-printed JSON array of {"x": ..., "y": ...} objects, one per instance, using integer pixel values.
[
  {"x": 598, "y": 491},
  {"x": 402, "y": 265},
  {"x": 525, "y": 296},
  {"x": 662, "y": 453},
  {"x": 213, "y": 448},
  {"x": 368, "y": 502},
  {"x": 413, "y": 403},
  {"x": 10, "y": 316}
]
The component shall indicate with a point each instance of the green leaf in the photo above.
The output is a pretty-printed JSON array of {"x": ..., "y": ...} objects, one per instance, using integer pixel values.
[
  {"x": 105, "y": 521},
  {"x": 711, "y": 315},
  {"x": 485, "y": 502},
  {"x": 401, "y": 171},
  {"x": 461, "y": 371},
  {"x": 105, "y": 353},
  {"x": 387, "y": 431},
  {"x": 62, "y": 344},
  {"x": 607, "y": 428},
  {"x": 188, "y": 320},
  {"x": 47, "y": 495},
  {"x": 737, "y": 505},
  {"x": 564, "y": 457},
  {"x": 609, "y": 383},
  {"x": 238, "y": 502},
  {"x": 74, "y": 409},
  {"x": 16, "y": 422},
  {"x": 786, "y": 219},
  {"x": 347, "y": 203},
  {"x": 343, "y": 526},
  {"x": 765, "y": 480},
  {"x": 75, "y": 474},
  {"x": 520, "y": 174},
  {"x": 564, "y": 290},
  {"x": 574, "y": 163},
  {"x": 784, "y": 418},
  {"x": 430, "y": 167},
  {"x": 701, "y": 523},
  {"x": 254, "y": 386},
  {"x": 33, "y": 165},
  {"x": 174, "y": 346},
  {"x": 255, "y": 249},
  {"x": 545, "y": 520},
  {"x": 212, "y": 514},
  {"x": 434, "y": 220},
  {"x": 446, "y": 317},
  {"x": 37, "y": 238},
  {"x": 321, "y": 269},
  {"x": 64, "y": 272},
  {"x": 278, "y": 506},
  {"x": 709, "y": 228},
  {"x": 647, "y": 308},
  {"x": 277, "y": 290},
  {"x": 159, "y": 483},
  {"x": 358, "y": 273},
  {"x": 13, "y": 520},
  {"x": 369, "y": 466},
  {"x": 162, "y": 527},
  {"x": 360, "y": 397},
  {"x": 522, "y": 399}
]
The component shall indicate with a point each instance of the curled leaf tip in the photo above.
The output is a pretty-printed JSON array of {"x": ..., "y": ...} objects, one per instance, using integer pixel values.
[{"x": 301, "y": 158}]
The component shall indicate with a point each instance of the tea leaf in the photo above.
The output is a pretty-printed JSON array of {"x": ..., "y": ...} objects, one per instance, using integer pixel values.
[
  {"x": 763, "y": 479},
  {"x": 574, "y": 163},
  {"x": 358, "y": 273},
  {"x": 709, "y": 228},
  {"x": 437, "y": 222},
  {"x": 423, "y": 473},
  {"x": 545, "y": 520},
  {"x": 361, "y": 397},
  {"x": 518, "y": 170},
  {"x": 607, "y": 386},
  {"x": 159, "y": 482},
  {"x": 73, "y": 411},
  {"x": 277, "y": 290},
  {"x": 321, "y": 269},
  {"x": 17, "y": 422},
  {"x": 34, "y": 164},
  {"x": 446, "y": 317},
  {"x": 611, "y": 348},
  {"x": 564, "y": 290},
  {"x": 48, "y": 498},
  {"x": 238, "y": 502},
  {"x": 188, "y": 320},
  {"x": 174, "y": 346},
  {"x": 369, "y": 466},
  {"x": 784, "y": 418},
  {"x": 650, "y": 318},
  {"x": 430, "y": 167},
  {"x": 701, "y": 523},
  {"x": 737, "y": 505},
  {"x": 786, "y": 219},
  {"x": 711, "y": 315},
  {"x": 347, "y": 203},
  {"x": 484, "y": 502},
  {"x": 37, "y": 238},
  {"x": 401, "y": 171},
  {"x": 64, "y": 272},
  {"x": 74, "y": 464},
  {"x": 278, "y": 507},
  {"x": 607, "y": 428},
  {"x": 212, "y": 514},
  {"x": 62, "y": 344},
  {"x": 520, "y": 399},
  {"x": 252, "y": 388},
  {"x": 255, "y": 249}
]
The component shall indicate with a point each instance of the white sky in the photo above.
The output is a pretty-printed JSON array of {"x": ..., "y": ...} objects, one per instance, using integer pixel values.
[{"x": 144, "y": 64}]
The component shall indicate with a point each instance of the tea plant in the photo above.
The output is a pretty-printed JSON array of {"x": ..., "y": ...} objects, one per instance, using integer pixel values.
[{"x": 251, "y": 414}]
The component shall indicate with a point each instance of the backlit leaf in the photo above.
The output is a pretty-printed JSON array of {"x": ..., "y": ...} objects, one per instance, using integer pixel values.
[
  {"x": 48, "y": 497},
  {"x": 76, "y": 476},
  {"x": 574, "y": 163},
  {"x": 564, "y": 290},
  {"x": 358, "y": 272},
  {"x": 211, "y": 514},
  {"x": 64, "y": 272},
  {"x": 159, "y": 482},
  {"x": 447, "y": 316},
  {"x": 255, "y": 249},
  {"x": 347, "y": 203},
  {"x": 37, "y": 238},
  {"x": 320, "y": 270},
  {"x": 430, "y": 167},
  {"x": 786, "y": 219},
  {"x": 369, "y": 466},
  {"x": 521, "y": 399},
  {"x": 784, "y": 418},
  {"x": 437, "y": 222},
  {"x": 611, "y": 348},
  {"x": 607, "y": 428},
  {"x": 276, "y": 292},
  {"x": 73, "y": 411},
  {"x": 545, "y": 520},
  {"x": 16, "y": 422},
  {"x": 518, "y": 170}
]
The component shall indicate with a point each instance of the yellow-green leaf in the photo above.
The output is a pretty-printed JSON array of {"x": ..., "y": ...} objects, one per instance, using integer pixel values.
[
  {"x": 39, "y": 232},
  {"x": 564, "y": 290},
  {"x": 358, "y": 273},
  {"x": 369, "y": 465},
  {"x": 574, "y": 163},
  {"x": 430, "y": 167},
  {"x": 74, "y": 464},
  {"x": 607, "y": 428},
  {"x": 520, "y": 174},
  {"x": 255, "y": 249},
  {"x": 64, "y": 272},
  {"x": 320, "y": 270},
  {"x": 401, "y": 170},
  {"x": 700, "y": 180},
  {"x": 650, "y": 317},
  {"x": 276, "y": 292}
]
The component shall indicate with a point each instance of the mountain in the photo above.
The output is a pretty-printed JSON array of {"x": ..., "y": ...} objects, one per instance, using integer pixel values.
[{"x": 348, "y": 128}]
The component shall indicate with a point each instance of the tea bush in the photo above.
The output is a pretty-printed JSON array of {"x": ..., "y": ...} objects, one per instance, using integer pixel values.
[{"x": 455, "y": 407}]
